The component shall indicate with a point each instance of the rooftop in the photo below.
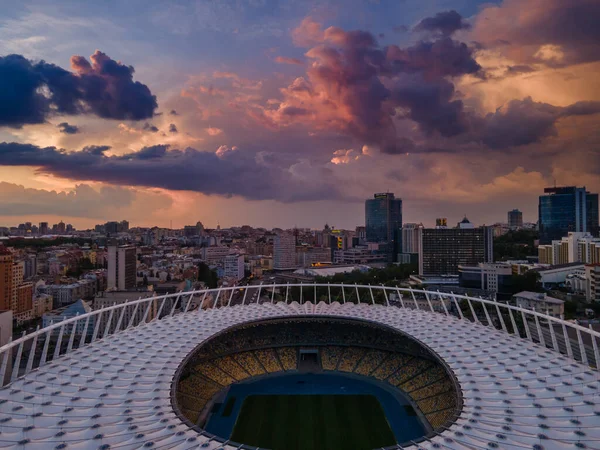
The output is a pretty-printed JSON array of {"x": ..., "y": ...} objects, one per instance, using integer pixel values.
[{"x": 538, "y": 297}]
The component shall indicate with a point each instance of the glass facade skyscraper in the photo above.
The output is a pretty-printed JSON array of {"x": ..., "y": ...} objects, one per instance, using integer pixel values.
[
  {"x": 383, "y": 221},
  {"x": 564, "y": 209}
]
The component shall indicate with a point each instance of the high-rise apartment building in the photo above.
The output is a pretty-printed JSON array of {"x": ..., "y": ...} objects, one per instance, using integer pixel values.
[
  {"x": 575, "y": 247},
  {"x": 410, "y": 237},
  {"x": 444, "y": 249},
  {"x": 43, "y": 229},
  {"x": 565, "y": 209},
  {"x": 121, "y": 267},
  {"x": 284, "y": 251},
  {"x": 515, "y": 219},
  {"x": 6, "y": 278}
]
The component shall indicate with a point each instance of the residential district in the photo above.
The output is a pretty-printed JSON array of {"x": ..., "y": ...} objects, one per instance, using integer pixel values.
[{"x": 52, "y": 273}]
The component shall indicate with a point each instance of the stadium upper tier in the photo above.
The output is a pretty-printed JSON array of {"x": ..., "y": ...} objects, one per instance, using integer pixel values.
[{"x": 107, "y": 379}]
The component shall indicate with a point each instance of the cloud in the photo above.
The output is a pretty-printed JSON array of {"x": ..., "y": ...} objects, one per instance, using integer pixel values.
[
  {"x": 286, "y": 60},
  {"x": 18, "y": 200},
  {"x": 150, "y": 127},
  {"x": 30, "y": 91},
  {"x": 524, "y": 122},
  {"x": 213, "y": 131},
  {"x": 445, "y": 23},
  {"x": 226, "y": 172},
  {"x": 64, "y": 127},
  {"x": 554, "y": 32},
  {"x": 356, "y": 86},
  {"x": 173, "y": 113},
  {"x": 173, "y": 128}
]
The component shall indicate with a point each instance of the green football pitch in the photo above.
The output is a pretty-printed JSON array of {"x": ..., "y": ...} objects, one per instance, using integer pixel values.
[{"x": 313, "y": 422}]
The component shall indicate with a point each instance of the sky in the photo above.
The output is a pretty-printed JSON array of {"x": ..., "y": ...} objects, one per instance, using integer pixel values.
[{"x": 292, "y": 113}]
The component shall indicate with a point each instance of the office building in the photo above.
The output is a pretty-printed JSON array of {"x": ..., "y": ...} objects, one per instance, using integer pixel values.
[
  {"x": 515, "y": 219},
  {"x": 441, "y": 222},
  {"x": 442, "y": 250},
  {"x": 121, "y": 267},
  {"x": 383, "y": 216},
  {"x": 234, "y": 267},
  {"x": 493, "y": 277},
  {"x": 565, "y": 209},
  {"x": 284, "y": 251}
]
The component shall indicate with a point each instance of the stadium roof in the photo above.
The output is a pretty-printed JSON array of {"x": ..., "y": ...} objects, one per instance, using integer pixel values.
[{"x": 116, "y": 392}]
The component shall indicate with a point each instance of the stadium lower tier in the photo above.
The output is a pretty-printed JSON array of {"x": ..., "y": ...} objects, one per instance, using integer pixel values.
[{"x": 207, "y": 384}]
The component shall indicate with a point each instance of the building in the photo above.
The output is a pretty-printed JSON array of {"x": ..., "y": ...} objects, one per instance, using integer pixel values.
[
  {"x": 43, "y": 229},
  {"x": 78, "y": 308},
  {"x": 110, "y": 298},
  {"x": 410, "y": 237},
  {"x": 65, "y": 294},
  {"x": 553, "y": 276},
  {"x": 30, "y": 266},
  {"x": 234, "y": 267},
  {"x": 284, "y": 251},
  {"x": 493, "y": 277},
  {"x": 383, "y": 217},
  {"x": 122, "y": 263},
  {"x": 215, "y": 254},
  {"x": 442, "y": 250},
  {"x": 6, "y": 278},
  {"x": 540, "y": 302},
  {"x": 441, "y": 222},
  {"x": 575, "y": 247},
  {"x": 359, "y": 255},
  {"x": 565, "y": 209},
  {"x": 592, "y": 277},
  {"x": 41, "y": 303},
  {"x": 308, "y": 256},
  {"x": 515, "y": 219}
]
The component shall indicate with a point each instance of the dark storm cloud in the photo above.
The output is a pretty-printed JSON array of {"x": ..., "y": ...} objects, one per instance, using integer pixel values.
[
  {"x": 64, "y": 127},
  {"x": 439, "y": 58},
  {"x": 173, "y": 128},
  {"x": 226, "y": 172},
  {"x": 430, "y": 103},
  {"x": 445, "y": 23},
  {"x": 523, "y": 122},
  {"x": 32, "y": 91},
  {"x": 173, "y": 113}
]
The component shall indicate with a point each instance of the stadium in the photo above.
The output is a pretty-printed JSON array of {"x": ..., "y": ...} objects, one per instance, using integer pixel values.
[{"x": 307, "y": 366}]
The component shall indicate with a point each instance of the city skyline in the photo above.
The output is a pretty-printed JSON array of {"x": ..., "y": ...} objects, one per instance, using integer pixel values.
[{"x": 293, "y": 113}]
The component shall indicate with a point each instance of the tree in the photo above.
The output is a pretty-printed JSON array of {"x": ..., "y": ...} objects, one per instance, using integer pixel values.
[
  {"x": 517, "y": 244},
  {"x": 208, "y": 276},
  {"x": 145, "y": 281},
  {"x": 530, "y": 281}
]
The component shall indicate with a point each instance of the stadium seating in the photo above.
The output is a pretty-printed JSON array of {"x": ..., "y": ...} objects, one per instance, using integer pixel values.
[
  {"x": 288, "y": 357},
  {"x": 249, "y": 362},
  {"x": 268, "y": 358},
  {"x": 261, "y": 349},
  {"x": 371, "y": 360},
  {"x": 350, "y": 358}
]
